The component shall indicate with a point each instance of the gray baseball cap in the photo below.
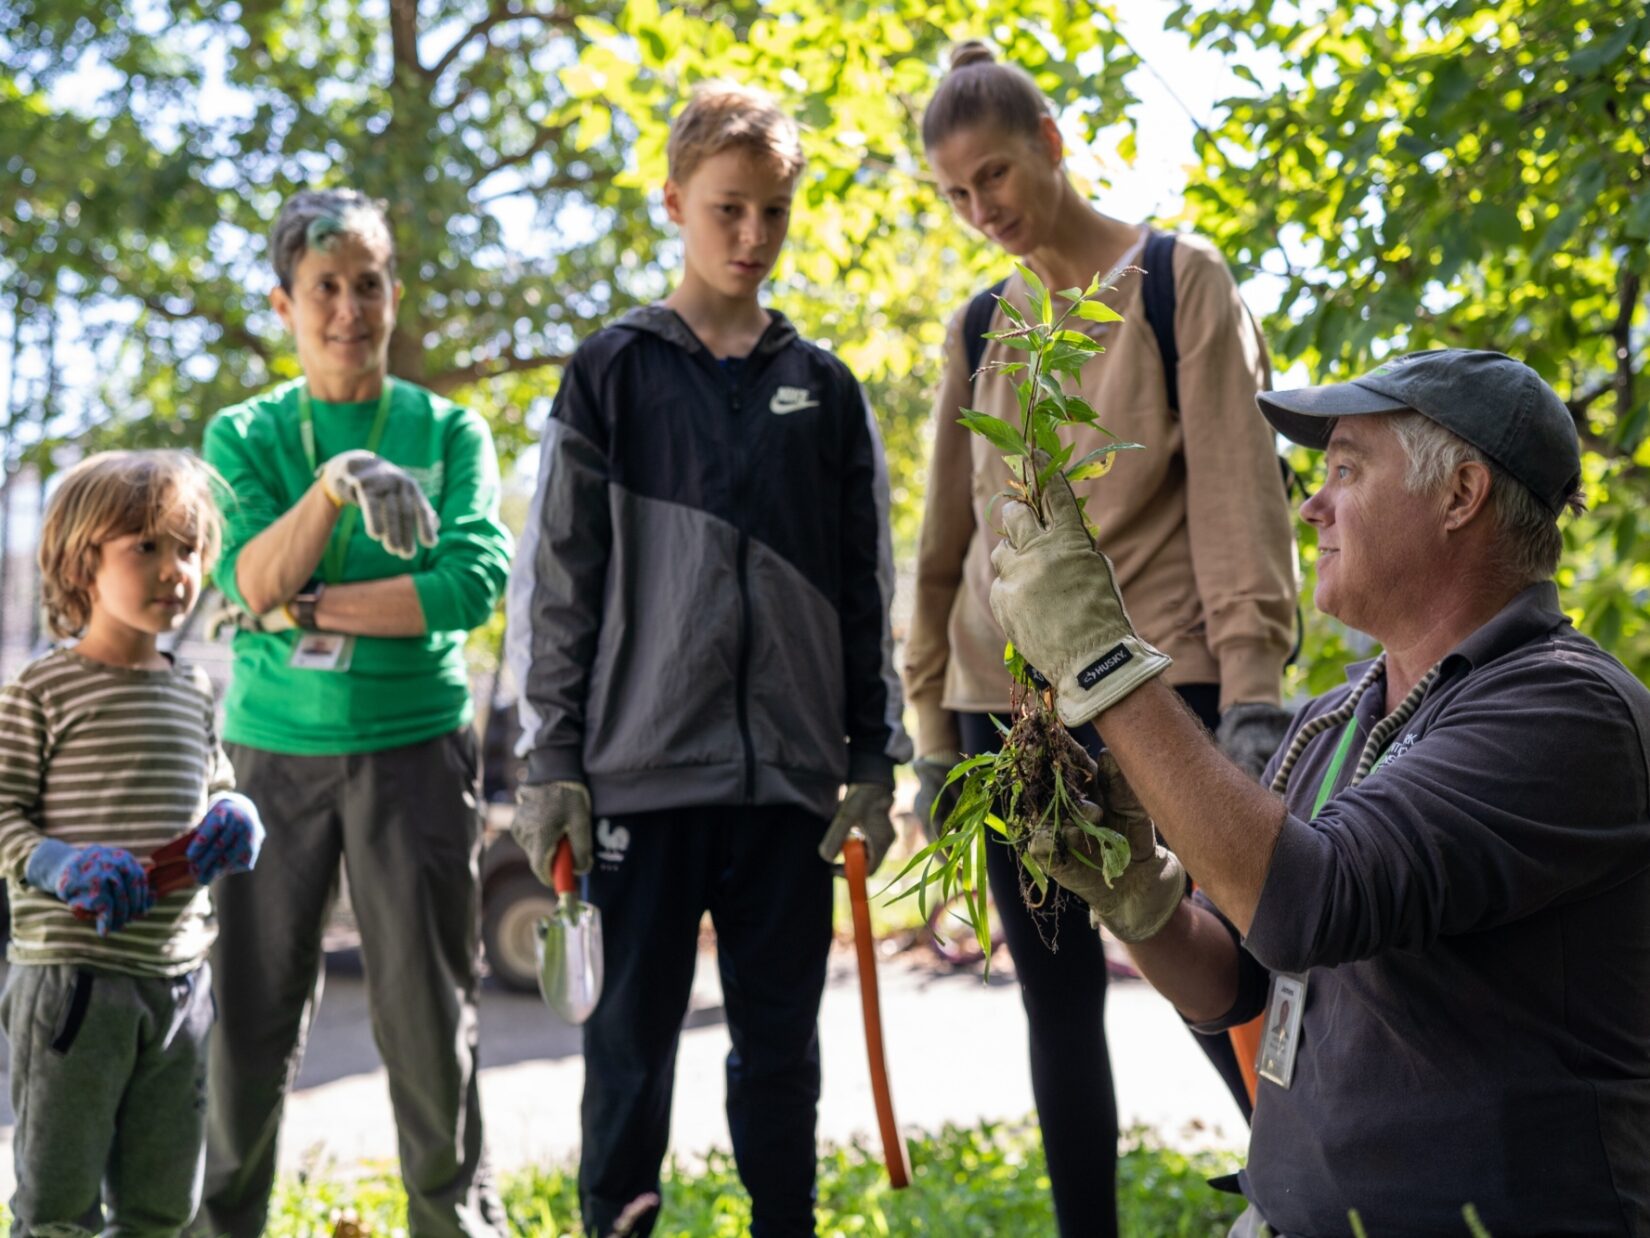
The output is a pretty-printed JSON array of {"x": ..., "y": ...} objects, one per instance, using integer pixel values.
[{"x": 1500, "y": 406}]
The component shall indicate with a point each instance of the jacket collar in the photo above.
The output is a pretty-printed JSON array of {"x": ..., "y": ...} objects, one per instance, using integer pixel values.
[{"x": 664, "y": 322}]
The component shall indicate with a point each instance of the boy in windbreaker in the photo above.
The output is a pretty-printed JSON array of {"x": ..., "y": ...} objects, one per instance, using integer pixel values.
[{"x": 699, "y": 622}]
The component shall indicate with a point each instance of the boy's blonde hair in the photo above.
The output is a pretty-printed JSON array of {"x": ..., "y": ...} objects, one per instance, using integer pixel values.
[
  {"x": 110, "y": 495},
  {"x": 723, "y": 116}
]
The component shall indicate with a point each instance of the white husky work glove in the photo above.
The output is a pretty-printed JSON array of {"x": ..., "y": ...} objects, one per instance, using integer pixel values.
[
  {"x": 1056, "y": 599},
  {"x": 1139, "y": 903},
  {"x": 394, "y": 511}
]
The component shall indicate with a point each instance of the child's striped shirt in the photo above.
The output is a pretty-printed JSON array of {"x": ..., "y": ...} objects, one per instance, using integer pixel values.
[{"x": 91, "y": 753}]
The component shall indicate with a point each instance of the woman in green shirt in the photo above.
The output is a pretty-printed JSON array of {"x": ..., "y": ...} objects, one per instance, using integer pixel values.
[{"x": 362, "y": 536}]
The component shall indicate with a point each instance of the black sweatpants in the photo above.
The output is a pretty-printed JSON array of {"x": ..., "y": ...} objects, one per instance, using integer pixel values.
[
  {"x": 1062, "y": 973},
  {"x": 758, "y": 872}
]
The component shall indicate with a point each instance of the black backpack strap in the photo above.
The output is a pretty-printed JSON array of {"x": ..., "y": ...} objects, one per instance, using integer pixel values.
[
  {"x": 1158, "y": 294},
  {"x": 976, "y": 319}
]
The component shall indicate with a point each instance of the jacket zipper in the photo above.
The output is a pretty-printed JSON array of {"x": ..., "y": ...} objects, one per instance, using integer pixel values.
[{"x": 742, "y": 673}]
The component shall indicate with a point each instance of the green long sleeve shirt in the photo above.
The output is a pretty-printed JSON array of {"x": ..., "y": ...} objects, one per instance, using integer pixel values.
[{"x": 397, "y": 690}]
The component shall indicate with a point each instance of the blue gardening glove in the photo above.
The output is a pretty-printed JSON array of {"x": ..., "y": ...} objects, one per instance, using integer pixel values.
[
  {"x": 105, "y": 884},
  {"x": 227, "y": 840},
  {"x": 866, "y": 807}
]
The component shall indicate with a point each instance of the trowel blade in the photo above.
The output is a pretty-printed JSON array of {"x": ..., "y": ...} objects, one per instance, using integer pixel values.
[{"x": 570, "y": 959}]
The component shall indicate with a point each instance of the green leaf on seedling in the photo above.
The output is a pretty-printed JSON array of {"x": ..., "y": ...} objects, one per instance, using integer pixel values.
[
  {"x": 1114, "y": 849},
  {"x": 1099, "y": 461},
  {"x": 1012, "y": 314},
  {"x": 997, "y": 432},
  {"x": 1039, "y": 294},
  {"x": 1079, "y": 409},
  {"x": 1017, "y": 670},
  {"x": 1070, "y": 294},
  {"x": 1096, "y": 311}
]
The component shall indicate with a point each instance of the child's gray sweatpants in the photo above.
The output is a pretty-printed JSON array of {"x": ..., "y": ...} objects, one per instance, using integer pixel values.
[{"x": 108, "y": 1084}]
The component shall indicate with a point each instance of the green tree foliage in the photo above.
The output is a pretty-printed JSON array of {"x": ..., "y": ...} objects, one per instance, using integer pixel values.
[
  {"x": 147, "y": 146},
  {"x": 1457, "y": 174}
]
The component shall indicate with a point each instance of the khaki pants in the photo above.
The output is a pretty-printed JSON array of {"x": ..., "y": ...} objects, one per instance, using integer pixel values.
[{"x": 406, "y": 824}]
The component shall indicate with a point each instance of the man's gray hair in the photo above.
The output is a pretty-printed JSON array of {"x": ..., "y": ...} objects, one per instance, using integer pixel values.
[
  {"x": 1529, "y": 531},
  {"x": 316, "y": 218}
]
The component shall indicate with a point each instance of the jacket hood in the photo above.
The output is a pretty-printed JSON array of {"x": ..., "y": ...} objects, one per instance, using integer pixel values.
[{"x": 660, "y": 320}]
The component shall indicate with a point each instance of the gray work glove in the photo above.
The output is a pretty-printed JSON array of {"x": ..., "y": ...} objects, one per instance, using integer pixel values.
[
  {"x": 545, "y": 812},
  {"x": 866, "y": 807},
  {"x": 935, "y": 800},
  {"x": 1056, "y": 599},
  {"x": 1250, "y": 734},
  {"x": 1139, "y": 903},
  {"x": 275, "y": 619},
  {"x": 394, "y": 511}
]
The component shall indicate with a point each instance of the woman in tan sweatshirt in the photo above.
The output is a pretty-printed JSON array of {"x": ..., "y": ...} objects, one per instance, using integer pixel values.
[{"x": 1197, "y": 525}]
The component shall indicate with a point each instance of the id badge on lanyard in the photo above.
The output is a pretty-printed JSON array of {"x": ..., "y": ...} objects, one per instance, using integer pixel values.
[{"x": 1286, "y": 1002}]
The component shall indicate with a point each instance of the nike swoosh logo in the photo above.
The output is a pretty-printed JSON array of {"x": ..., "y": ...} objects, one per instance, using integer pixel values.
[{"x": 781, "y": 407}]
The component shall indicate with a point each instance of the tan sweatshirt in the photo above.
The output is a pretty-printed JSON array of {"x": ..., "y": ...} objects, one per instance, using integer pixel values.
[{"x": 1197, "y": 525}]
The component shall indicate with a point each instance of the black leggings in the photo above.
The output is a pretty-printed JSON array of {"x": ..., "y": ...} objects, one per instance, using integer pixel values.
[{"x": 1064, "y": 991}]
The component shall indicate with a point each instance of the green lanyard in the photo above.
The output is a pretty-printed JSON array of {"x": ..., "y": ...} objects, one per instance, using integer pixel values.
[
  {"x": 1336, "y": 762},
  {"x": 332, "y": 567}
]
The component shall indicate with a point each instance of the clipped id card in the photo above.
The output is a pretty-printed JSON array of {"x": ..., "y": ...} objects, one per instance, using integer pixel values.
[
  {"x": 1282, "y": 1034},
  {"x": 322, "y": 651}
]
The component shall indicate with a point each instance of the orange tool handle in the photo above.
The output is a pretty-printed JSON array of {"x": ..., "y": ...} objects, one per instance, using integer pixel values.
[
  {"x": 1246, "y": 1045},
  {"x": 561, "y": 869},
  {"x": 893, "y": 1147}
]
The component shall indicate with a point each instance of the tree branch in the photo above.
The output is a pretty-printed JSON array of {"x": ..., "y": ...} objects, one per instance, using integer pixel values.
[
  {"x": 550, "y": 184},
  {"x": 1627, "y": 302},
  {"x": 545, "y": 137},
  {"x": 404, "y": 39},
  {"x": 498, "y": 12},
  {"x": 1579, "y": 404},
  {"x": 492, "y": 367},
  {"x": 233, "y": 333}
]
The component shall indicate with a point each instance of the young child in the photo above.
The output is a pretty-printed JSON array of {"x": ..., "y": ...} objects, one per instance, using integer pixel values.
[
  {"x": 699, "y": 622},
  {"x": 108, "y": 752}
]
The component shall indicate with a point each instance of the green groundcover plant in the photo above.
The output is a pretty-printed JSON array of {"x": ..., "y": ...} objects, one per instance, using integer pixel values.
[
  {"x": 1040, "y": 777},
  {"x": 967, "y": 1182}
]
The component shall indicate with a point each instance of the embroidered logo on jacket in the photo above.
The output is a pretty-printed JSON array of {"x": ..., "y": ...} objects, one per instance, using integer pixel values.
[
  {"x": 791, "y": 400},
  {"x": 612, "y": 841},
  {"x": 1397, "y": 750}
]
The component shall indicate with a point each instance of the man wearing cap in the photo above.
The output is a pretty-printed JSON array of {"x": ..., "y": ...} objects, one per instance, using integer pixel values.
[{"x": 1442, "y": 903}]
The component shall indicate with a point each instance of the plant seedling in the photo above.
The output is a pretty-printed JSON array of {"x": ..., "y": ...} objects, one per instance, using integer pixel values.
[{"x": 1041, "y": 776}]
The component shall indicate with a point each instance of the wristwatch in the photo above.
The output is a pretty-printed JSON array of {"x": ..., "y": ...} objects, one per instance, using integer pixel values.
[{"x": 304, "y": 603}]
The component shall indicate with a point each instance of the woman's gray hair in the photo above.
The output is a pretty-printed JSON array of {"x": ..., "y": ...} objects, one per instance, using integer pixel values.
[
  {"x": 1529, "y": 530},
  {"x": 316, "y": 218}
]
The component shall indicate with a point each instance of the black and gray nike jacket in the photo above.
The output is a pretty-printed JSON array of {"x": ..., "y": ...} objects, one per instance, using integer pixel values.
[{"x": 698, "y": 612}]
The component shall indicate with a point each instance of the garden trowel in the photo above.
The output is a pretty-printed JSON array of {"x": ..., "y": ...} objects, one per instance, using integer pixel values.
[{"x": 570, "y": 946}]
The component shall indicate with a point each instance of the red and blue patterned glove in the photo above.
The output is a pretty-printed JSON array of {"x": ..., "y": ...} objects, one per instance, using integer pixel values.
[
  {"x": 227, "y": 840},
  {"x": 105, "y": 884}
]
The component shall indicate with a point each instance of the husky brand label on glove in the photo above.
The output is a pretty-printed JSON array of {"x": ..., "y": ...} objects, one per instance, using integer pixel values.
[{"x": 1104, "y": 665}]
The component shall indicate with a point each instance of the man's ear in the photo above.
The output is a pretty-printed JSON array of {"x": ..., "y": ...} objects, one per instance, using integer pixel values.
[
  {"x": 1469, "y": 494},
  {"x": 673, "y": 202}
]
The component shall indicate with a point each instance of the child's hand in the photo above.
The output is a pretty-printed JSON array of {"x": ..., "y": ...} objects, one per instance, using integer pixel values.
[
  {"x": 106, "y": 884},
  {"x": 227, "y": 840}
]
